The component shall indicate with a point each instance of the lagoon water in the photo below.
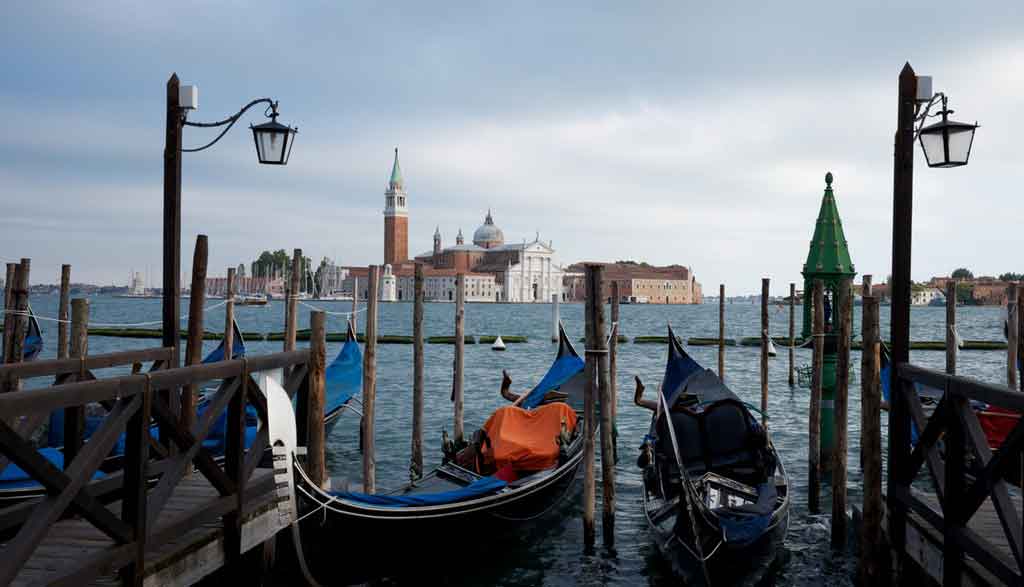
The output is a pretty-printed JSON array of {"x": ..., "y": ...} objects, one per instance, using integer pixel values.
[{"x": 550, "y": 552}]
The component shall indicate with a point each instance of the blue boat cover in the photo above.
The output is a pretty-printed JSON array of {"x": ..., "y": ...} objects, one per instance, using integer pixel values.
[
  {"x": 33, "y": 338},
  {"x": 344, "y": 376},
  {"x": 14, "y": 477},
  {"x": 745, "y": 524},
  {"x": 478, "y": 488},
  {"x": 567, "y": 364},
  {"x": 237, "y": 347},
  {"x": 678, "y": 368}
]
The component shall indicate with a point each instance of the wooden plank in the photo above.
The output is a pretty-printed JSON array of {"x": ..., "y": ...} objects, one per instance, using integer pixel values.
[
  {"x": 969, "y": 388},
  {"x": 48, "y": 367}
]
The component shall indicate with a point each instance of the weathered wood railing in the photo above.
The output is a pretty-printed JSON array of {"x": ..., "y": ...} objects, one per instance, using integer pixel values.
[
  {"x": 964, "y": 472},
  {"x": 136, "y": 406}
]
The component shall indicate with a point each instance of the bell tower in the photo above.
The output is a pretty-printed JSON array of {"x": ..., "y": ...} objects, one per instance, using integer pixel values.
[{"x": 396, "y": 218}]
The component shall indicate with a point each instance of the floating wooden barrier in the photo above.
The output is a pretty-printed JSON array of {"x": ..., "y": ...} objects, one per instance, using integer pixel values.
[
  {"x": 699, "y": 341},
  {"x": 619, "y": 338},
  {"x": 652, "y": 340},
  {"x": 467, "y": 339},
  {"x": 506, "y": 338}
]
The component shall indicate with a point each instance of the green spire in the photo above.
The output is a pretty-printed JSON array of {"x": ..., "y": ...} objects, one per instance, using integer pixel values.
[
  {"x": 829, "y": 255},
  {"x": 396, "y": 174}
]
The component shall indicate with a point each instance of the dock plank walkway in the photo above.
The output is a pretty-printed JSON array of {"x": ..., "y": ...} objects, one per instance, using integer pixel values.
[{"x": 74, "y": 544}]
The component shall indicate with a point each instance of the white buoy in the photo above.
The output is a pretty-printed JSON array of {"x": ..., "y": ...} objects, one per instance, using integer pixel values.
[
  {"x": 771, "y": 348},
  {"x": 499, "y": 345}
]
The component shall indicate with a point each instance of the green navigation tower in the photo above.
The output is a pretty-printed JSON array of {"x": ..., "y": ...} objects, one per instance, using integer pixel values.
[{"x": 829, "y": 261}]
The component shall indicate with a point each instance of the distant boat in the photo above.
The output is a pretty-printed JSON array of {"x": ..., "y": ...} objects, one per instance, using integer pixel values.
[{"x": 251, "y": 300}]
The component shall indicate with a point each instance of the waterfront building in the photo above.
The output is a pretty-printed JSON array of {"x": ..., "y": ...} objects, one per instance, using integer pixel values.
[
  {"x": 388, "y": 289},
  {"x": 396, "y": 218},
  {"x": 922, "y": 296},
  {"x": 639, "y": 283}
]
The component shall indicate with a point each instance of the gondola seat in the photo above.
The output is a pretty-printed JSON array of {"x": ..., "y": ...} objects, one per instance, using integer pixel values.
[
  {"x": 526, "y": 439},
  {"x": 720, "y": 437}
]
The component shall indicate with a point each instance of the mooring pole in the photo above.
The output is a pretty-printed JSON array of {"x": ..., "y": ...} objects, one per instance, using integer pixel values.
[
  {"x": 1012, "y": 334},
  {"x": 19, "y": 320},
  {"x": 355, "y": 304},
  {"x": 416, "y": 466},
  {"x": 8, "y": 315},
  {"x": 62, "y": 311},
  {"x": 721, "y": 331},
  {"x": 74, "y": 416},
  {"x": 460, "y": 349},
  {"x": 792, "y": 334},
  {"x": 607, "y": 401},
  {"x": 814, "y": 414},
  {"x": 871, "y": 551},
  {"x": 589, "y": 425},
  {"x": 316, "y": 460},
  {"x": 291, "y": 327},
  {"x": 951, "y": 338},
  {"x": 229, "y": 316},
  {"x": 370, "y": 383},
  {"x": 172, "y": 229},
  {"x": 554, "y": 317},
  {"x": 194, "y": 343},
  {"x": 765, "y": 340},
  {"x": 613, "y": 369},
  {"x": 845, "y": 315}
]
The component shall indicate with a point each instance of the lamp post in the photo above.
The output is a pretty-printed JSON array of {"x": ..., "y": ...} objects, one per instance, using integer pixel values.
[
  {"x": 945, "y": 144},
  {"x": 273, "y": 147}
]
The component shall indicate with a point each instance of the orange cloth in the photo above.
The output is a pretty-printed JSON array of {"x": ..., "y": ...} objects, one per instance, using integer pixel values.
[{"x": 525, "y": 439}]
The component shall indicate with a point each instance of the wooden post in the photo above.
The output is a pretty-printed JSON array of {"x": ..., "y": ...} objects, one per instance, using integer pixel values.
[
  {"x": 845, "y": 315},
  {"x": 136, "y": 479},
  {"x": 765, "y": 339},
  {"x": 613, "y": 369},
  {"x": 293, "y": 301},
  {"x": 871, "y": 445},
  {"x": 721, "y": 331},
  {"x": 866, "y": 285},
  {"x": 902, "y": 237},
  {"x": 589, "y": 425},
  {"x": 460, "y": 348},
  {"x": 62, "y": 311},
  {"x": 370, "y": 384},
  {"x": 8, "y": 308},
  {"x": 74, "y": 416},
  {"x": 1020, "y": 340},
  {"x": 229, "y": 316},
  {"x": 19, "y": 320},
  {"x": 814, "y": 415},
  {"x": 355, "y": 304},
  {"x": 1012, "y": 334},
  {"x": 554, "y": 317},
  {"x": 194, "y": 344},
  {"x": 416, "y": 465},
  {"x": 172, "y": 229},
  {"x": 316, "y": 460},
  {"x": 951, "y": 342},
  {"x": 606, "y": 405},
  {"x": 792, "y": 334}
]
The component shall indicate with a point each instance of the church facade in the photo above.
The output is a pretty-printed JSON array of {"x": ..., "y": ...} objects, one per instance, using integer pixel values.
[{"x": 495, "y": 271}]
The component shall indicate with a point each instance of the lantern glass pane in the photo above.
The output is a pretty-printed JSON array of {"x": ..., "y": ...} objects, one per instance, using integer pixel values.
[
  {"x": 960, "y": 144},
  {"x": 271, "y": 146},
  {"x": 290, "y": 140},
  {"x": 934, "y": 151}
]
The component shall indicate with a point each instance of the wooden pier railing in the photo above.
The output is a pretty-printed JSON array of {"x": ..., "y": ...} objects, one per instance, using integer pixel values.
[
  {"x": 963, "y": 471},
  {"x": 131, "y": 516}
]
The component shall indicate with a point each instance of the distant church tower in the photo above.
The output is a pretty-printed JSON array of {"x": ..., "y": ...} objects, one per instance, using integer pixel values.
[
  {"x": 437, "y": 240},
  {"x": 396, "y": 219},
  {"x": 458, "y": 238}
]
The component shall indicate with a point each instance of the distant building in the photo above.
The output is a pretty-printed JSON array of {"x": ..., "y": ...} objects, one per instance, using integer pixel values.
[
  {"x": 922, "y": 296},
  {"x": 639, "y": 284},
  {"x": 138, "y": 286}
]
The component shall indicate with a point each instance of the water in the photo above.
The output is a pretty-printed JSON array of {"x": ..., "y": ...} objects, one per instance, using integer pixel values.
[{"x": 550, "y": 552}]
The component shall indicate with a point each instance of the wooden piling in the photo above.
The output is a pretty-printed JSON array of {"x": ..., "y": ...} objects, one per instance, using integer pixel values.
[
  {"x": 1020, "y": 342},
  {"x": 62, "y": 312},
  {"x": 229, "y": 316},
  {"x": 1012, "y": 334},
  {"x": 370, "y": 383},
  {"x": 293, "y": 301},
  {"x": 871, "y": 553},
  {"x": 613, "y": 369},
  {"x": 814, "y": 415},
  {"x": 355, "y": 304},
  {"x": 554, "y": 317},
  {"x": 606, "y": 405},
  {"x": 721, "y": 331},
  {"x": 19, "y": 320},
  {"x": 589, "y": 397},
  {"x": 74, "y": 416},
  {"x": 951, "y": 342},
  {"x": 316, "y": 459},
  {"x": 792, "y": 334},
  {"x": 460, "y": 349},
  {"x": 765, "y": 339},
  {"x": 8, "y": 316},
  {"x": 416, "y": 464},
  {"x": 194, "y": 343},
  {"x": 845, "y": 315},
  {"x": 866, "y": 286}
]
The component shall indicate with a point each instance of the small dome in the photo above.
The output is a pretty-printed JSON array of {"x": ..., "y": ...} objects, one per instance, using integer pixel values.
[{"x": 488, "y": 235}]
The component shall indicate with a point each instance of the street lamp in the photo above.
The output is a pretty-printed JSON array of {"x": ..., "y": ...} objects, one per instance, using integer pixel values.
[
  {"x": 273, "y": 147},
  {"x": 946, "y": 143}
]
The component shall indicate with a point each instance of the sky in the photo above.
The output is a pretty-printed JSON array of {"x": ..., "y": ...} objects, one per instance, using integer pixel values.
[{"x": 696, "y": 133}]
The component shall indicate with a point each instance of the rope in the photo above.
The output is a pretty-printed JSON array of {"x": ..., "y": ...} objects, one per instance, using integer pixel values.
[
  {"x": 329, "y": 313},
  {"x": 107, "y": 324},
  {"x": 607, "y": 342}
]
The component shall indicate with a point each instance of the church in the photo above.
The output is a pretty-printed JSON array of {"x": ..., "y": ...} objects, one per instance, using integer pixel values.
[{"x": 496, "y": 271}]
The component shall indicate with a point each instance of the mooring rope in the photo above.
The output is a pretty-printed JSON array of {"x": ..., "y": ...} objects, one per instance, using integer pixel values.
[
  {"x": 106, "y": 324},
  {"x": 329, "y": 313}
]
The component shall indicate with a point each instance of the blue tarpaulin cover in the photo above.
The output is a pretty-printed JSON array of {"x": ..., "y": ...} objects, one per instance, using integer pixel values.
[
  {"x": 14, "y": 477},
  {"x": 344, "y": 376},
  {"x": 562, "y": 370},
  {"x": 480, "y": 487}
]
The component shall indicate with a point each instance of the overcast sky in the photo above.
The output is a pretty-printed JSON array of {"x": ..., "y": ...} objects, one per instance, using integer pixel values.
[{"x": 666, "y": 132}]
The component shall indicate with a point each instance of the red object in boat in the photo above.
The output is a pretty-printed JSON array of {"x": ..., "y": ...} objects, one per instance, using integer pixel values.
[{"x": 997, "y": 423}]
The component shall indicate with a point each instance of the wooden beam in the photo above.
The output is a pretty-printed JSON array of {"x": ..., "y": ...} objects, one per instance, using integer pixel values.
[{"x": 234, "y": 464}]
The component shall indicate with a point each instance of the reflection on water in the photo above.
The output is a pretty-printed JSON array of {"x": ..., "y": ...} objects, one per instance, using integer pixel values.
[{"x": 550, "y": 551}]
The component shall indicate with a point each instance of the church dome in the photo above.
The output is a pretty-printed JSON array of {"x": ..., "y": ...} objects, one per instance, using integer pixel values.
[{"x": 488, "y": 235}]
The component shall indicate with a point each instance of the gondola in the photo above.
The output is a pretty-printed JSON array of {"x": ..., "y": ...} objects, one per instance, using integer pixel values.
[
  {"x": 344, "y": 379},
  {"x": 716, "y": 495},
  {"x": 517, "y": 467}
]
